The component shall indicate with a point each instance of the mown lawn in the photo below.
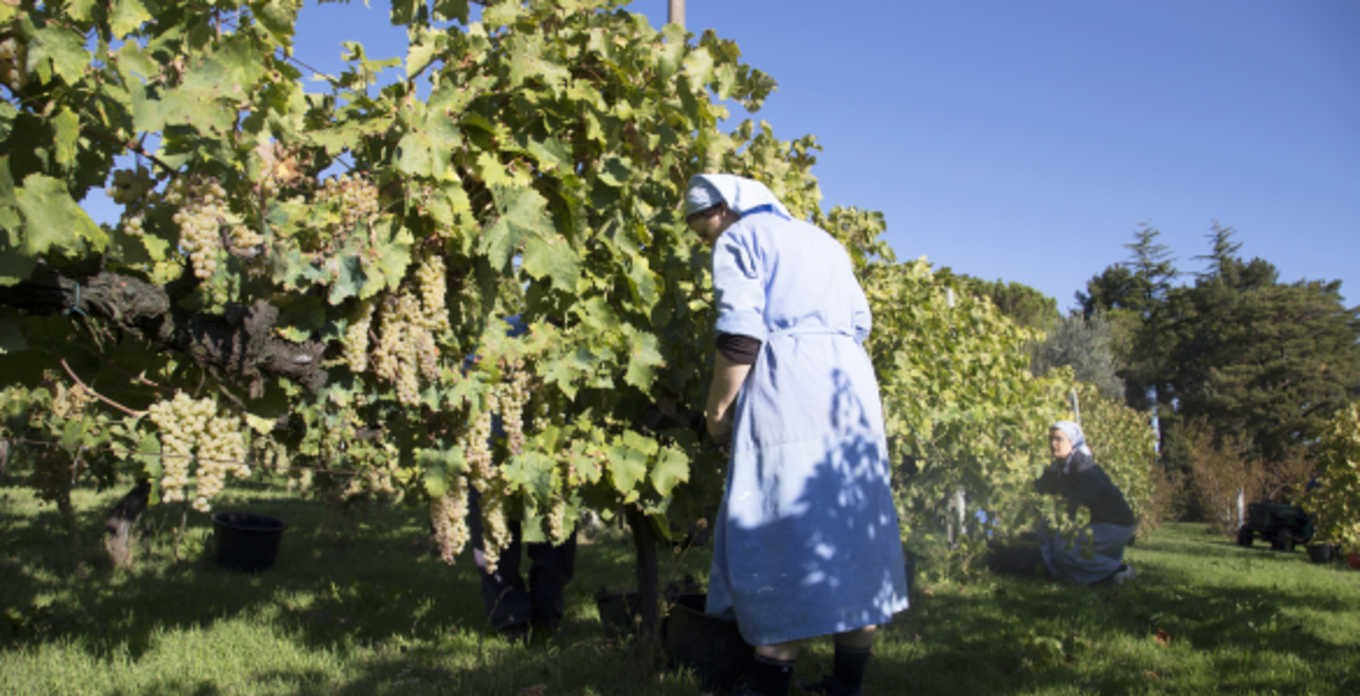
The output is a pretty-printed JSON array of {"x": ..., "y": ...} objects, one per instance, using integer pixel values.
[{"x": 358, "y": 604}]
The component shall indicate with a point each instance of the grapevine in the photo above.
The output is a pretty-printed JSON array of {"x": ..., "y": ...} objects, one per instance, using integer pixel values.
[{"x": 523, "y": 167}]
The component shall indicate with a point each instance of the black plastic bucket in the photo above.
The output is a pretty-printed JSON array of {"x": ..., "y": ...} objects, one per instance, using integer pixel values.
[
  {"x": 620, "y": 613},
  {"x": 246, "y": 541},
  {"x": 1322, "y": 553},
  {"x": 709, "y": 645}
]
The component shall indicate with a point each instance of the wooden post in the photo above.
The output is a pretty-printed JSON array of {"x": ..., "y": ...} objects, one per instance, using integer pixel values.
[{"x": 676, "y": 14}]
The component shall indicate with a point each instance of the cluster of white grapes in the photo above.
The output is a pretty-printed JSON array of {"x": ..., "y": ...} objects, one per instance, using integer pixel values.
[
  {"x": 69, "y": 402},
  {"x": 355, "y": 342},
  {"x": 396, "y": 357},
  {"x": 477, "y": 448},
  {"x": 130, "y": 186},
  {"x": 279, "y": 167},
  {"x": 509, "y": 398},
  {"x": 243, "y": 241},
  {"x": 430, "y": 280},
  {"x": 354, "y": 196},
  {"x": 191, "y": 431},
  {"x": 558, "y": 527},
  {"x": 270, "y": 456},
  {"x": 406, "y": 349},
  {"x": 448, "y": 516},
  {"x": 133, "y": 224},
  {"x": 495, "y": 525},
  {"x": 12, "y": 59},
  {"x": 221, "y": 451},
  {"x": 380, "y": 479},
  {"x": 202, "y": 209}
]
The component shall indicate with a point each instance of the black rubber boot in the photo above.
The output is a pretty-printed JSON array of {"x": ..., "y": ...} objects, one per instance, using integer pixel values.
[
  {"x": 766, "y": 677},
  {"x": 849, "y": 668},
  {"x": 847, "y": 674}
]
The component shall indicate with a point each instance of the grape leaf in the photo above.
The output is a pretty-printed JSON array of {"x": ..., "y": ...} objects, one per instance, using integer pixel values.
[
  {"x": 53, "y": 219},
  {"x": 552, "y": 258},
  {"x": 126, "y": 16}
]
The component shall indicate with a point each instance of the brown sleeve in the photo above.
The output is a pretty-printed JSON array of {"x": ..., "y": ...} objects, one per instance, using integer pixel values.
[{"x": 738, "y": 348}]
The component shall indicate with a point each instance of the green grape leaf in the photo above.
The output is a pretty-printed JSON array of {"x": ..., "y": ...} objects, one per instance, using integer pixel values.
[
  {"x": 672, "y": 51},
  {"x": 552, "y": 258},
  {"x": 551, "y": 154},
  {"x": 627, "y": 462},
  {"x": 135, "y": 63},
  {"x": 671, "y": 469},
  {"x": 615, "y": 172},
  {"x": 698, "y": 66},
  {"x": 448, "y": 204},
  {"x": 420, "y": 54},
  {"x": 530, "y": 472},
  {"x": 436, "y": 481},
  {"x": 53, "y": 219},
  {"x": 501, "y": 14},
  {"x": 523, "y": 214},
  {"x": 60, "y": 52},
  {"x": 527, "y": 62},
  {"x": 81, "y": 10},
  {"x": 644, "y": 357},
  {"x": 404, "y": 11},
  {"x": 564, "y": 372},
  {"x": 277, "y": 17},
  {"x": 451, "y": 9},
  {"x": 427, "y": 152},
  {"x": 394, "y": 256},
  {"x": 66, "y": 133},
  {"x": 126, "y": 16},
  {"x": 348, "y": 279}
]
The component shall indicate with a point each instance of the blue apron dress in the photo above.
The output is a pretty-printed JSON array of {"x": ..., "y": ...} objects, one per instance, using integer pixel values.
[{"x": 806, "y": 542}]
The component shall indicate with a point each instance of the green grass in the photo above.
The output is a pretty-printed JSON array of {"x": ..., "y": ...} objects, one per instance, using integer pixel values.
[{"x": 358, "y": 604}]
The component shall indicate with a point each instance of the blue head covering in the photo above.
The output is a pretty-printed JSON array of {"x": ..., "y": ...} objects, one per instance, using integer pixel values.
[
  {"x": 741, "y": 195},
  {"x": 1074, "y": 435}
]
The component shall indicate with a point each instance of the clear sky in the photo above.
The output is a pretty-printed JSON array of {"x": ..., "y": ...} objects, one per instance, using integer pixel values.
[{"x": 1028, "y": 141}]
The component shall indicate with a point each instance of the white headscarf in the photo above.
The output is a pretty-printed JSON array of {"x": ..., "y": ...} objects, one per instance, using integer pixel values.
[
  {"x": 739, "y": 193},
  {"x": 1074, "y": 435}
]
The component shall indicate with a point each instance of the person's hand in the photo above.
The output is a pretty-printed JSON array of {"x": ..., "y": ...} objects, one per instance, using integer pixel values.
[{"x": 719, "y": 425}]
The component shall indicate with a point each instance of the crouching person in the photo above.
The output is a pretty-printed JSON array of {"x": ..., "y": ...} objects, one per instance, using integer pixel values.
[{"x": 1096, "y": 553}]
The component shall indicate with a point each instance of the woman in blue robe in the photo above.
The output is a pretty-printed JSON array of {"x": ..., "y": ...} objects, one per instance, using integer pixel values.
[{"x": 806, "y": 541}]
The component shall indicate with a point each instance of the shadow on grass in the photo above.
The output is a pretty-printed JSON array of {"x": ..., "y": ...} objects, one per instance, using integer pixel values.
[
  {"x": 364, "y": 585},
  {"x": 1239, "y": 618},
  {"x": 340, "y": 579}
]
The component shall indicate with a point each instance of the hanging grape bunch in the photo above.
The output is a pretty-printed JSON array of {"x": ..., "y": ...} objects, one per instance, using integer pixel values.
[{"x": 198, "y": 447}]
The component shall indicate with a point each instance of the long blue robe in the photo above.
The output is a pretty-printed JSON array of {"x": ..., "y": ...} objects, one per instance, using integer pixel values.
[{"x": 806, "y": 541}]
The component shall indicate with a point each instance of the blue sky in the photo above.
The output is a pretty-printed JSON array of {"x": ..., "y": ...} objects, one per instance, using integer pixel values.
[{"x": 1028, "y": 141}]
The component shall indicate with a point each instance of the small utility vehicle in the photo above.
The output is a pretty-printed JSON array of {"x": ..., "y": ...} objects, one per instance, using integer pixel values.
[{"x": 1282, "y": 524}]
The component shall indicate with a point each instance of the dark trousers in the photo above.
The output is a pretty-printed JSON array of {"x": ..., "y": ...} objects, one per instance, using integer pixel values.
[{"x": 509, "y": 603}]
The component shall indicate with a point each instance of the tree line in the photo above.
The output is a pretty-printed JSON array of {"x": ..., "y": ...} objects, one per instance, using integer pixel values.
[{"x": 1234, "y": 364}]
